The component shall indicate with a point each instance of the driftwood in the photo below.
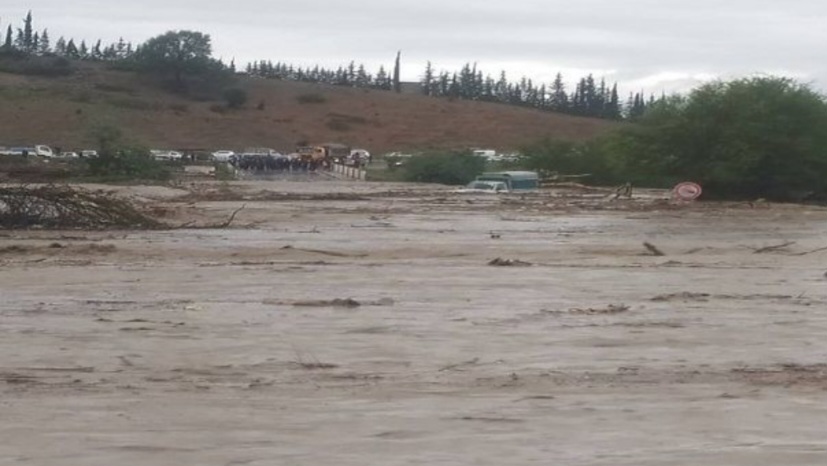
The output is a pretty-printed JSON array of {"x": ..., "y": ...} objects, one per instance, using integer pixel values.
[
  {"x": 653, "y": 249},
  {"x": 810, "y": 252},
  {"x": 500, "y": 262},
  {"x": 323, "y": 252},
  {"x": 772, "y": 248},
  {"x": 624, "y": 190}
]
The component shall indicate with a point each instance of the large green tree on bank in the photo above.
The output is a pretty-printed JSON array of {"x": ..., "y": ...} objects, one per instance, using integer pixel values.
[
  {"x": 749, "y": 138},
  {"x": 177, "y": 54}
]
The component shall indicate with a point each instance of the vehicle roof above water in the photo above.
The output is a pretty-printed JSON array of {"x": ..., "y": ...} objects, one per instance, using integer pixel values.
[
  {"x": 486, "y": 183},
  {"x": 520, "y": 175}
]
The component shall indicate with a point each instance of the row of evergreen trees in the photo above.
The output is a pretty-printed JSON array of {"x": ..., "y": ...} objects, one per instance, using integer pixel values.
[
  {"x": 589, "y": 98},
  {"x": 28, "y": 41},
  {"x": 350, "y": 76}
]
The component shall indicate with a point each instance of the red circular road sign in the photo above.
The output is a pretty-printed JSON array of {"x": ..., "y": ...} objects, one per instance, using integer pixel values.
[{"x": 687, "y": 191}]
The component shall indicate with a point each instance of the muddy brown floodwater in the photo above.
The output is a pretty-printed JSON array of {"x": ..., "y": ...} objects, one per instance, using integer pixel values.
[{"x": 352, "y": 324}]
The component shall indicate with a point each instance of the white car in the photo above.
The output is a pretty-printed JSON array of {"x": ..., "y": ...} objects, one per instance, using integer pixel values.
[
  {"x": 166, "y": 155},
  {"x": 40, "y": 150},
  {"x": 67, "y": 155},
  {"x": 222, "y": 155},
  {"x": 88, "y": 154},
  {"x": 484, "y": 187}
]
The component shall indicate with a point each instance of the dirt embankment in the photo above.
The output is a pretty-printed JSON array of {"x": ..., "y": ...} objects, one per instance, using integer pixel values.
[{"x": 60, "y": 112}]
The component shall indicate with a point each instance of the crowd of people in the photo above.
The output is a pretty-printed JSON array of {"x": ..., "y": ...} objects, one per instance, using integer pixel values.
[{"x": 275, "y": 162}]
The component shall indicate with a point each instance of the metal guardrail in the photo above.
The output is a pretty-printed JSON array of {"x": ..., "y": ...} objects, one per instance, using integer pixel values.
[{"x": 353, "y": 173}]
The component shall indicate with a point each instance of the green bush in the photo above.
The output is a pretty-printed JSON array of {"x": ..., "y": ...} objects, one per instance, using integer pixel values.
[
  {"x": 749, "y": 138},
  {"x": 451, "y": 168},
  {"x": 235, "y": 97},
  {"x": 338, "y": 125},
  {"x": 30, "y": 65},
  {"x": 744, "y": 139},
  {"x": 179, "y": 108},
  {"x": 311, "y": 99},
  {"x": 590, "y": 161},
  {"x": 108, "y": 87},
  {"x": 119, "y": 161},
  {"x": 132, "y": 103},
  {"x": 128, "y": 164},
  {"x": 223, "y": 172}
]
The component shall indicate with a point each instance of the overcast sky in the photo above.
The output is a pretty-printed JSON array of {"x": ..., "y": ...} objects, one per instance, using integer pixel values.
[{"x": 653, "y": 45}]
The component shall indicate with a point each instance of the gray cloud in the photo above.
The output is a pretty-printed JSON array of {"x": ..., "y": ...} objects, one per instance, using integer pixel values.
[{"x": 644, "y": 44}]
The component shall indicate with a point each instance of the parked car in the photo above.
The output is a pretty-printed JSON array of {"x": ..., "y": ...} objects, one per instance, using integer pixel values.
[
  {"x": 88, "y": 153},
  {"x": 488, "y": 154},
  {"x": 67, "y": 155},
  {"x": 166, "y": 155},
  {"x": 222, "y": 155},
  {"x": 39, "y": 150},
  {"x": 397, "y": 159}
]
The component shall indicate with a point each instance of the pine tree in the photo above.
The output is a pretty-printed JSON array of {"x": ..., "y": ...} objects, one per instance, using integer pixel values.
[
  {"x": 501, "y": 88},
  {"x": 35, "y": 43},
  {"x": 602, "y": 99},
  {"x": 109, "y": 53},
  {"x": 72, "y": 50},
  {"x": 120, "y": 48},
  {"x": 397, "y": 84},
  {"x": 28, "y": 34},
  {"x": 440, "y": 88},
  {"x": 97, "y": 53},
  {"x": 351, "y": 73},
  {"x": 83, "y": 50},
  {"x": 232, "y": 66},
  {"x": 453, "y": 87},
  {"x": 488, "y": 89},
  {"x": 19, "y": 41},
  {"x": 8, "y": 44},
  {"x": 591, "y": 105},
  {"x": 45, "y": 46},
  {"x": 381, "y": 78},
  {"x": 60, "y": 47},
  {"x": 638, "y": 107},
  {"x": 559, "y": 100},
  {"x": 362, "y": 78},
  {"x": 428, "y": 80},
  {"x": 613, "y": 110},
  {"x": 578, "y": 99},
  {"x": 463, "y": 82},
  {"x": 542, "y": 98}
]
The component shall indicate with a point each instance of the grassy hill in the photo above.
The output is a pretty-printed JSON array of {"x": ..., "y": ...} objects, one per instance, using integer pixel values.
[{"x": 60, "y": 111}]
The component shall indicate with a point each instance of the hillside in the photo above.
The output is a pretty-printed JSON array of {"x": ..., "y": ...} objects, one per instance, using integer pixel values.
[{"x": 60, "y": 111}]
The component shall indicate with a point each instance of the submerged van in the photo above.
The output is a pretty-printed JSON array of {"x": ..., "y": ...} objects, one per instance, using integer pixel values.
[{"x": 514, "y": 180}]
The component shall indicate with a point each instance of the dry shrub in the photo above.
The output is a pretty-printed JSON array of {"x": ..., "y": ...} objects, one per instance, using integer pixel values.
[
  {"x": 109, "y": 87},
  {"x": 64, "y": 207},
  {"x": 32, "y": 170},
  {"x": 180, "y": 108},
  {"x": 338, "y": 125}
]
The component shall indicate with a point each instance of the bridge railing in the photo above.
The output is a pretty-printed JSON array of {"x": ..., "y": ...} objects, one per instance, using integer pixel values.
[{"x": 353, "y": 173}]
